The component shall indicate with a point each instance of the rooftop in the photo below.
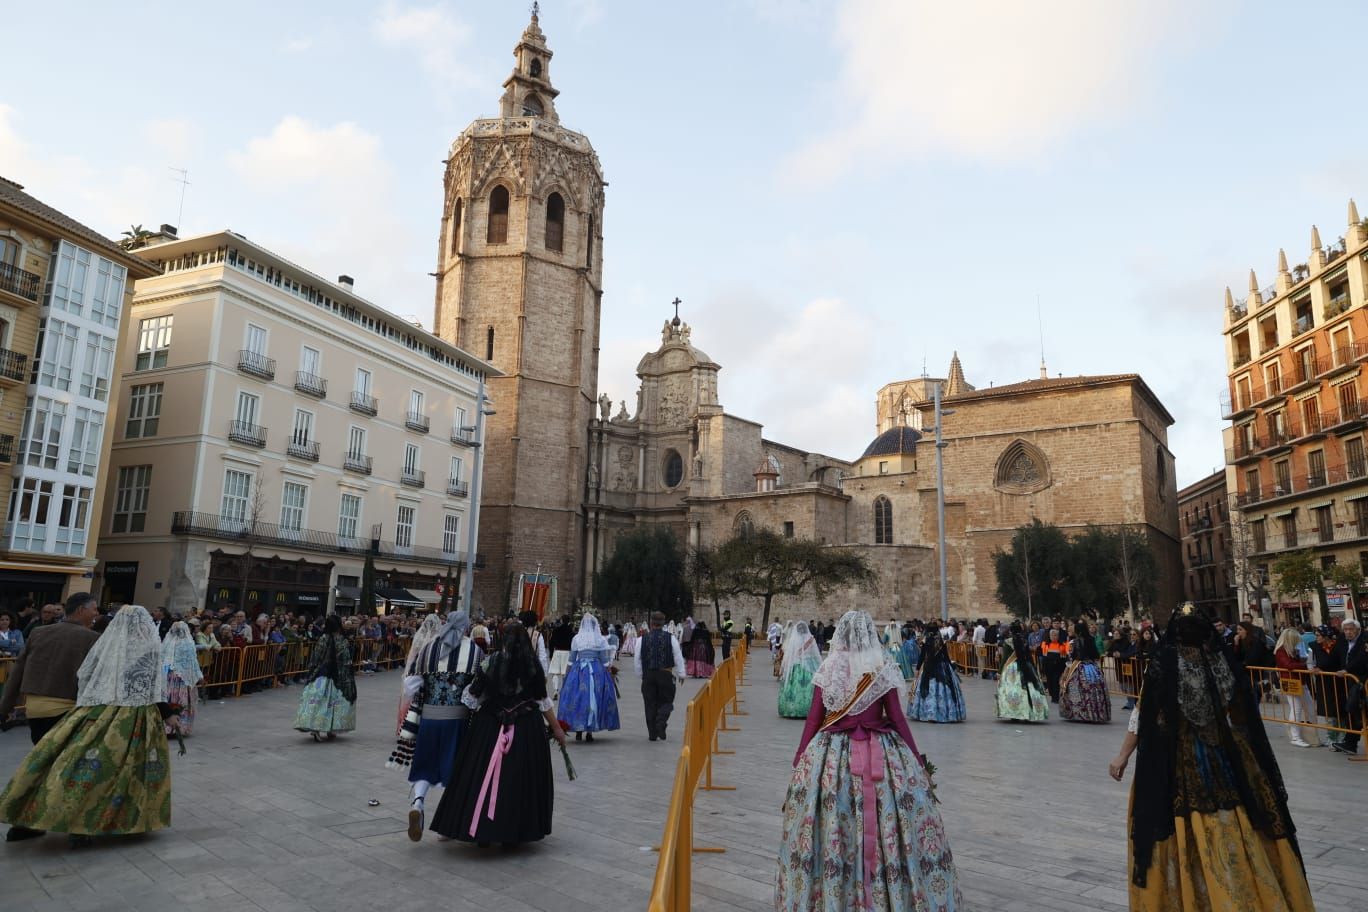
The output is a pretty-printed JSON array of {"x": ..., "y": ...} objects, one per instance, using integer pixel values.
[{"x": 12, "y": 194}]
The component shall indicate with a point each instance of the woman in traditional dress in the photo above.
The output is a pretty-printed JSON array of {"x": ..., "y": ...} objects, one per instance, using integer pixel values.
[
  {"x": 1209, "y": 825},
  {"x": 911, "y": 651},
  {"x": 861, "y": 827},
  {"x": 892, "y": 639},
  {"x": 105, "y": 769},
  {"x": 328, "y": 705},
  {"x": 936, "y": 695},
  {"x": 1020, "y": 693},
  {"x": 501, "y": 790},
  {"x": 588, "y": 699},
  {"x": 180, "y": 664},
  {"x": 629, "y": 638},
  {"x": 801, "y": 659},
  {"x": 699, "y": 653},
  {"x": 426, "y": 633},
  {"x": 1083, "y": 693}
]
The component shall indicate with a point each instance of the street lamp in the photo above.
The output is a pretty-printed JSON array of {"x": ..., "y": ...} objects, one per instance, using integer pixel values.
[
  {"x": 485, "y": 407},
  {"x": 940, "y": 500}
]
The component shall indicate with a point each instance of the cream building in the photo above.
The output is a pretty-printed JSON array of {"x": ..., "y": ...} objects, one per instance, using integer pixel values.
[
  {"x": 274, "y": 427},
  {"x": 64, "y": 297}
]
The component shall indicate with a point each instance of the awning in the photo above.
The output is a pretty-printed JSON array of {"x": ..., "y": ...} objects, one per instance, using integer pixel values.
[
  {"x": 427, "y": 596},
  {"x": 349, "y": 592},
  {"x": 44, "y": 568},
  {"x": 397, "y": 597}
]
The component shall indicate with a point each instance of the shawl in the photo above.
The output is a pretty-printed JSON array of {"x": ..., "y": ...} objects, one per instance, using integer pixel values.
[
  {"x": 934, "y": 664},
  {"x": 589, "y": 639},
  {"x": 858, "y": 671},
  {"x": 178, "y": 654},
  {"x": 799, "y": 649},
  {"x": 123, "y": 668},
  {"x": 332, "y": 659}
]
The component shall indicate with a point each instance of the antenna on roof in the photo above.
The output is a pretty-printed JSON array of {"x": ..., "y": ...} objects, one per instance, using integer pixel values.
[
  {"x": 184, "y": 182},
  {"x": 1040, "y": 325}
]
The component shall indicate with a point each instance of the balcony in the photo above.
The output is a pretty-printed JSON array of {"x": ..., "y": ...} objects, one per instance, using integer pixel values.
[
  {"x": 1305, "y": 375},
  {"x": 417, "y": 421},
  {"x": 237, "y": 529},
  {"x": 457, "y": 488},
  {"x": 311, "y": 384},
  {"x": 6, "y": 448},
  {"x": 256, "y": 364},
  {"x": 1312, "y": 425},
  {"x": 1273, "y": 392},
  {"x": 460, "y": 435},
  {"x": 17, "y": 281},
  {"x": 1350, "y": 416},
  {"x": 13, "y": 366},
  {"x": 1303, "y": 324},
  {"x": 247, "y": 433},
  {"x": 413, "y": 478},
  {"x": 1335, "y": 306},
  {"x": 302, "y": 449},
  {"x": 1242, "y": 358},
  {"x": 1354, "y": 472},
  {"x": 364, "y": 403},
  {"x": 357, "y": 462}
]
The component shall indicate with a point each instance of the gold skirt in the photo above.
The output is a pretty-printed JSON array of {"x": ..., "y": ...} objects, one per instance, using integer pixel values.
[{"x": 1220, "y": 862}]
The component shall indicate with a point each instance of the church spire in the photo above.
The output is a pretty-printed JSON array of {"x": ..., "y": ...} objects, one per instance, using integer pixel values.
[
  {"x": 955, "y": 382},
  {"x": 528, "y": 91}
]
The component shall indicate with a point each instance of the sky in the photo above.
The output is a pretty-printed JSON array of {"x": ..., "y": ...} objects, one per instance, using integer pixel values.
[{"x": 842, "y": 192}]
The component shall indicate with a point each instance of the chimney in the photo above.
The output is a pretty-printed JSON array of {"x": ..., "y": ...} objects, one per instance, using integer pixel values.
[
  {"x": 347, "y": 281},
  {"x": 168, "y": 231}
]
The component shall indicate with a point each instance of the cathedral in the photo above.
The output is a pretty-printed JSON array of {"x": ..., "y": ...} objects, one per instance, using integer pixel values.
[{"x": 520, "y": 282}]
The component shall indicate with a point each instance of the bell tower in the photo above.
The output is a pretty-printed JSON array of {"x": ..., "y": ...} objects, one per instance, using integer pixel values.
[{"x": 519, "y": 283}]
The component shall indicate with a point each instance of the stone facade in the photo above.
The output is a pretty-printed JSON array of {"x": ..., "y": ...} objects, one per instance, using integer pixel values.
[{"x": 519, "y": 282}]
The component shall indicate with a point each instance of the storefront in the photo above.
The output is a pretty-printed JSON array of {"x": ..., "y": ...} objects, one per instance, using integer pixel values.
[
  {"x": 258, "y": 584},
  {"x": 120, "y": 582},
  {"x": 19, "y": 582}
]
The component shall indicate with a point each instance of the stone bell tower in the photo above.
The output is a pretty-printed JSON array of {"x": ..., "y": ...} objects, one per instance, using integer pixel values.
[{"x": 519, "y": 283}]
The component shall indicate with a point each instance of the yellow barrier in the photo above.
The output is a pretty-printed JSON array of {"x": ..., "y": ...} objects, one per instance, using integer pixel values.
[
  {"x": 232, "y": 666},
  {"x": 705, "y": 717},
  {"x": 1307, "y": 694}
]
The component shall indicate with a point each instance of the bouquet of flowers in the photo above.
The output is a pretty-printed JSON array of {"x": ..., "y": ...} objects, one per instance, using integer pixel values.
[
  {"x": 569, "y": 767},
  {"x": 930, "y": 777},
  {"x": 175, "y": 709}
]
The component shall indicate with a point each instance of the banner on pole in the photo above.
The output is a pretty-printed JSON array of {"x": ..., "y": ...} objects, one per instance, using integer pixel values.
[{"x": 538, "y": 593}]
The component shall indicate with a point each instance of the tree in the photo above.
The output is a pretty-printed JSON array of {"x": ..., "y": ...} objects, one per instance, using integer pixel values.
[
  {"x": 645, "y": 573},
  {"x": 1244, "y": 568},
  {"x": 714, "y": 578},
  {"x": 763, "y": 564},
  {"x": 1297, "y": 574},
  {"x": 1347, "y": 576},
  {"x": 1134, "y": 571},
  {"x": 248, "y": 534},
  {"x": 1032, "y": 575},
  {"x": 135, "y": 237}
]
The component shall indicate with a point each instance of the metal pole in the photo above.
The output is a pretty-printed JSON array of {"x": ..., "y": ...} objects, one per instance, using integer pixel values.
[
  {"x": 940, "y": 506},
  {"x": 472, "y": 530}
]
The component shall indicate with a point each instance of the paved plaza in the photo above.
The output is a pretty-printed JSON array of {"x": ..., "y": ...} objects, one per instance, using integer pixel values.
[{"x": 265, "y": 819}]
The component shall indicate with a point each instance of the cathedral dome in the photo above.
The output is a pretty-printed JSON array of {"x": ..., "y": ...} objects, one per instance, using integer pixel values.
[{"x": 897, "y": 441}]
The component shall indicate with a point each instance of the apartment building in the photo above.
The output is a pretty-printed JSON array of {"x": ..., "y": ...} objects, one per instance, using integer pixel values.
[
  {"x": 275, "y": 429},
  {"x": 1204, "y": 517},
  {"x": 64, "y": 296},
  {"x": 1297, "y": 401}
]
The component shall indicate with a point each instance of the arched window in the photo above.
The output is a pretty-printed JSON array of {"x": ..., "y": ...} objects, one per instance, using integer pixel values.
[
  {"x": 489, "y": 344},
  {"x": 555, "y": 221},
  {"x": 883, "y": 521},
  {"x": 535, "y": 68},
  {"x": 673, "y": 468},
  {"x": 532, "y": 106},
  {"x": 1161, "y": 471},
  {"x": 456, "y": 212},
  {"x": 743, "y": 525},
  {"x": 497, "y": 230},
  {"x": 589, "y": 244},
  {"x": 778, "y": 469},
  {"x": 1022, "y": 469}
]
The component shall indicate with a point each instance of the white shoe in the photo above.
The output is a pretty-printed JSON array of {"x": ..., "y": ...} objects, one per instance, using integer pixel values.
[
  {"x": 1298, "y": 742},
  {"x": 417, "y": 821}
]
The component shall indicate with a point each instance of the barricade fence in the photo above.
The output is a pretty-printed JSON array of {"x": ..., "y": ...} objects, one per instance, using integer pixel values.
[
  {"x": 706, "y": 716},
  {"x": 226, "y": 670}
]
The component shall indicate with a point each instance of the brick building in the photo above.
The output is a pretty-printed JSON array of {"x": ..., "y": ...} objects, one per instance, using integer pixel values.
[
  {"x": 1204, "y": 514},
  {"x": 1295, "y": 456}
]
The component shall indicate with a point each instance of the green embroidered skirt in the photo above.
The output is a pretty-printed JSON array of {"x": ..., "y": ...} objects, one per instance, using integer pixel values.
[{"x": 102, "y": 771}]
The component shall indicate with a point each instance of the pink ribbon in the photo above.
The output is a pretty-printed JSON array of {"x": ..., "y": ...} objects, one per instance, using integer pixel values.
[
  {"x": 867, "y": 762},
  {"x": 490, "y": 786}
]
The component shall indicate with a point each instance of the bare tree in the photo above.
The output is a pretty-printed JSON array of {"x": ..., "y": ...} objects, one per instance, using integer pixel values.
[
  {"x": 250, "y": 534},
  {"x": 1128, "y": 573},
  {"x": 1244, "y": 568}
]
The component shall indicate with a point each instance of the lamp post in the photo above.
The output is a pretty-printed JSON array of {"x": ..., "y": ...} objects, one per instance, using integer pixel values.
[
  {"x": 940, "y": 502},
  {"x": 481, "y": 410}
]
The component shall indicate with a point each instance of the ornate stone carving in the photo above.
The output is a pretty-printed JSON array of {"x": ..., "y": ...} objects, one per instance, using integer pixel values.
[
  {"x": 1022, "y": 469},
  {"x": 605, "y": 406}
]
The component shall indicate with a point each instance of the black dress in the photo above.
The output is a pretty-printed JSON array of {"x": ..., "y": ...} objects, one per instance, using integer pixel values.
[{"x": 522, "y": 806}]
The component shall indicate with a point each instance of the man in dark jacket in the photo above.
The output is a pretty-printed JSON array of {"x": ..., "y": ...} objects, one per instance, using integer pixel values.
[{"x": 1354, "y": 649}]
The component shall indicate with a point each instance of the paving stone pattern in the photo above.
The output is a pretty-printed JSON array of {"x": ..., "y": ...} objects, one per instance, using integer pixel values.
[{"x": 265, "y": 819}]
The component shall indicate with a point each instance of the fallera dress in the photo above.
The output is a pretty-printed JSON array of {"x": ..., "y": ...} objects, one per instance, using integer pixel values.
[
  {"x": 801, "y": 660},
  {"x": 588, "y": 698},
  {"x": 935, "y": 695},
  {"x": 1020, "y": 695},
  {"x": 1083, "y": 693},
  {"x": 327, "y": 704}
]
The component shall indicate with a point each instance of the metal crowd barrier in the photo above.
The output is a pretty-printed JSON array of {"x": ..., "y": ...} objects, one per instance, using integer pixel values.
[
  {"x": 706, "y": 716},
  {"x": 973, "y": 659},
  {"x": 227, "y": 669}
]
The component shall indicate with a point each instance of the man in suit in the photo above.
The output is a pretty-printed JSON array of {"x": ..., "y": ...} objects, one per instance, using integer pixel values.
[{"x": 1355, "y": 647}]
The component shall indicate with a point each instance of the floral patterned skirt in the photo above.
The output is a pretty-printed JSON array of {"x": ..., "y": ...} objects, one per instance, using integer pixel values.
[
  {"x": 942, "y": 703},
  {"x": 1083, "y": 694},
  {"x": 1219, "y": 861},
  {"x": 1023, "y": 703},
  {"x": 322, "y": 708},
  {"x": 795, "y": 693},
  {"x": 821, "y": 858},
  {"x": 102, "y": 771},
  {"x": 184, "y": 696}
]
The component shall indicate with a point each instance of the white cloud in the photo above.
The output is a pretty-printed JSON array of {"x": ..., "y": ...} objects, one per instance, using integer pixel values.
[
  {"x": 325, "y": 196},
  {"x": 986, "y": 79},
  {"x": 440, "y": 41},
  {"x": 297, "y": 45}
]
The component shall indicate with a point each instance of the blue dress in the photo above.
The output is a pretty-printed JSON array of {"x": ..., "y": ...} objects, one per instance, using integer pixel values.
[
  {"x": 935, "y": 696},
  {"x": 588, "y": 700}
]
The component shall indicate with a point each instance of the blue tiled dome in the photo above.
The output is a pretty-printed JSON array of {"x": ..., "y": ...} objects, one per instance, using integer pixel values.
[{"x": 893, "y": 442}]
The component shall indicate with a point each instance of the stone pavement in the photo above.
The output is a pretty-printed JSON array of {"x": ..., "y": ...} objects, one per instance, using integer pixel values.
[{"x": 265, "y": 819}]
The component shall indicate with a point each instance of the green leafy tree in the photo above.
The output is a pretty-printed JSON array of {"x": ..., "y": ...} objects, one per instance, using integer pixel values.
[
  {"x": 763, "y": 564},
  {"x": 1297, "y": 574},
  {"x": 1033, "y": 574},
  {"x": 645, "y": 573},
  {"x": 1346, "y": 576}
]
